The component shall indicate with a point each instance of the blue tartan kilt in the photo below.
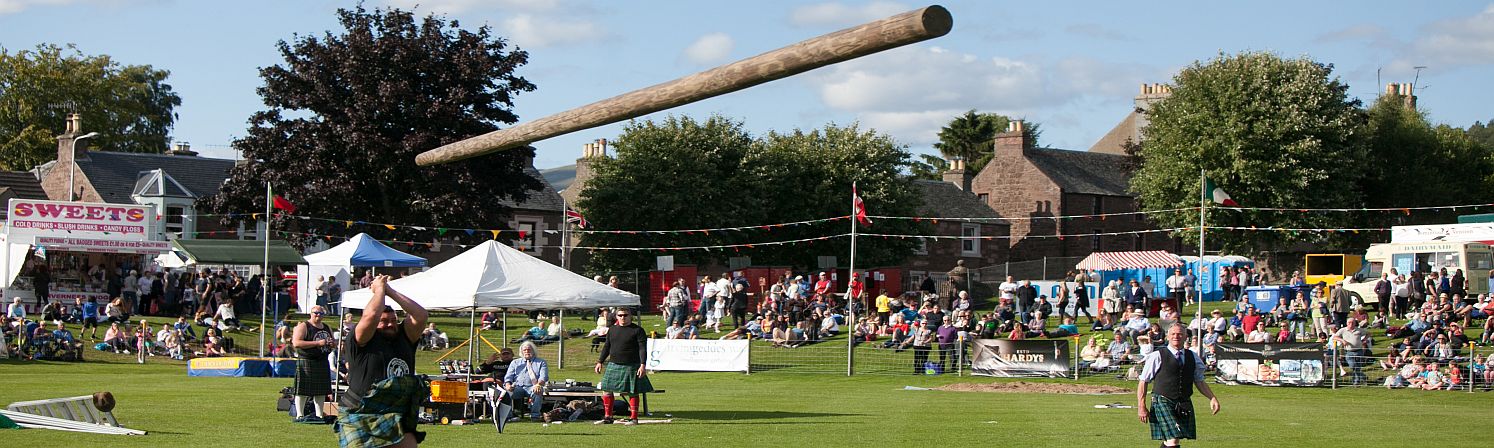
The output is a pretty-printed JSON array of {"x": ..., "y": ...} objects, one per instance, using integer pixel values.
[
  {"x": 623, "y": 379},
  {"x": 1167, "y": 423}
]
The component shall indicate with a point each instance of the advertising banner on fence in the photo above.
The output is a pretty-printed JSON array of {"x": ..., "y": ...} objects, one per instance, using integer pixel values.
[
  {"x": 697, "y": 355},
  {"x": 1008, "y": 358},
  {"x": 60, "y": 218},
  {"x": 1296, "y": 364}
]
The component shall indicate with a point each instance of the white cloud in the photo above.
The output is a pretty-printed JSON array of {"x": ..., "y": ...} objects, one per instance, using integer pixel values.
[
  {"x": 1462, "y": 41},
  {"x": 461, "y": 6},
  {"x": 840, "y": 14},
  {"x": 911, "y": 92},
  {"x": 531, "y": 31},
  {"x": 15, "y": 6},
  {"x": 710, "y": 48}
]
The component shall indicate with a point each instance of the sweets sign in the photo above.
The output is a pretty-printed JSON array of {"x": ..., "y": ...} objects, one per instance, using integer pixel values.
[{"x": 53, "y": 217}]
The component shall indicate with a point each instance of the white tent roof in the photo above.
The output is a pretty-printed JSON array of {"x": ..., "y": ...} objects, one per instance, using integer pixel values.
[{"x": 493, "y": 275}]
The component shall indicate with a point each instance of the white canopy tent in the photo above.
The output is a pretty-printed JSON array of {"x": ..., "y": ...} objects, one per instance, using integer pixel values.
[{"x": 492, "y": 276}]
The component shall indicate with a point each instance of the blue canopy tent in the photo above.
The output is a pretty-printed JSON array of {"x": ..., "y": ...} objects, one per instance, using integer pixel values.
[{"x": 337, "y": 263}]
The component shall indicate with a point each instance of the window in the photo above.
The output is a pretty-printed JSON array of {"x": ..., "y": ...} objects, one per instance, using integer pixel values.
[
  {"x": 527, "y": 238},
  {"x": 985, "y": 198},
  {"x": 1137, "y": 241},
  {"x": 921, "y": 246},
  {"x": 1099, "y": 205},
  {"x": 970, "y": 241},
  {"x": 1094, "y": 243},
  {"x": 175, "y": 217}
]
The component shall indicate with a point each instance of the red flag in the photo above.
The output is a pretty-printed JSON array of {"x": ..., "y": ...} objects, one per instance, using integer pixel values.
[
  {"x": 283, "y": 204},
  {"x": 859, "y": 206}
]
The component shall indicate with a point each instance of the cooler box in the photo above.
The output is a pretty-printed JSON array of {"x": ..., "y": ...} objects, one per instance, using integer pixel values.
[
  {"x": 1265, "y": 298},
  {"x": 448, "y": 392}
]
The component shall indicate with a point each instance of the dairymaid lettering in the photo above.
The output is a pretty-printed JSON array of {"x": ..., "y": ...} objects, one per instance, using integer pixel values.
[{"x": 79, "y": 212}]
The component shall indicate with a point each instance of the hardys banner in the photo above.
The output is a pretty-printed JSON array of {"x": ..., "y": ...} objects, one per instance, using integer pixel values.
[
  {"x": 698, "y": 355},
  {"x": 1296, "y": 364},
  {"x": 1008, "y": 358}
]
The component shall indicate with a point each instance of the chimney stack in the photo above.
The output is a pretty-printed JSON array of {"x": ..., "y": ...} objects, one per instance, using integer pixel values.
[
  {"x": 958, "y": 175},
  {"x": 1015, "y": 138},
  {"x": 1407, "y": 92},
  {"x": 182, "y": 149},
  {"x": 67, "y": 152}
]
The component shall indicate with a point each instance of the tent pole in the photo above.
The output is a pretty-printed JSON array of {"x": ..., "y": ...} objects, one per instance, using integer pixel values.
[
  {"x": 504, "y": 313},
  {"x": 560, "y": 351},
  {"x": 471, "y": 336}
]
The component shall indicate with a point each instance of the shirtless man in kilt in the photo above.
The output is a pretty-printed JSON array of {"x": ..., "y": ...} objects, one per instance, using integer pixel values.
[
  {"x": 621, "y": 366},
  {"x": 1175, "y": 372}
]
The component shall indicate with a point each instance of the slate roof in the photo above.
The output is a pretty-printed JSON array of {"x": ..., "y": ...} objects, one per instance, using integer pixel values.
[
  {"x": 545, "y": 199},
  {"x": 1113, "y": 141},
  {"x": 945, "y": 200},
  {"x": 23, "y": 183},
  {"x": 1083, "y": 172},
  {"x": 115, "y": 175}
]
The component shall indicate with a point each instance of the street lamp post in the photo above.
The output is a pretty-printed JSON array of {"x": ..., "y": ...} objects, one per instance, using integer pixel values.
[{"x": 74, "y": 166}]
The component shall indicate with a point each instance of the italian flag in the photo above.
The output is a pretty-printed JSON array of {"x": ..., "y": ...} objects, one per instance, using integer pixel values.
[{"x": 1213, "y": 192}]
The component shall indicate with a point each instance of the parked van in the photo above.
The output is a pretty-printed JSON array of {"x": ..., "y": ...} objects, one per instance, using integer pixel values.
[{"x": 1475, "y": 259}]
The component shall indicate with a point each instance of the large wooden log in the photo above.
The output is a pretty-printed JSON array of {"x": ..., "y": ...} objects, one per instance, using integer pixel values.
[{"x": 892, "y": 32}]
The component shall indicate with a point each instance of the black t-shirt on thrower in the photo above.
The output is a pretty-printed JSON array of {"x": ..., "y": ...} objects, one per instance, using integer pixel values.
[{"x": 383, "y": 357}]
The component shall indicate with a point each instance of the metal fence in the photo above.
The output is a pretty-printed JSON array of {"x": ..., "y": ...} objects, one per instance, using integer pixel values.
[{"x": 1466, "y": 370}]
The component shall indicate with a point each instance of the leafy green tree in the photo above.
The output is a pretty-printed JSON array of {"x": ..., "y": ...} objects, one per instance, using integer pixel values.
[
  {"x": 972, "y": 137},
  {"x": 130, "y": 106},
  {"x": 1482, "y": 133},
  {"x": 928, "y": 167},
  {"x": 348, "y": 112},
  {"x": 1416, "y": 164},
  {"x": 681, "y": 173},
  {"x": 1271, "y": 132}
]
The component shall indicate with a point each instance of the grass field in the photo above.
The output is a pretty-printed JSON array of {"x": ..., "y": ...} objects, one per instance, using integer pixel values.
[{"x": 770, "y": 409}]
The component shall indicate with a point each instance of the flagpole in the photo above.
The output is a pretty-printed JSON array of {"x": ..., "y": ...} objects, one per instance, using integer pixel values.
[
  {"x": 1203, "y": 205},
  {"x": 264, "y": 301},
  {"x": 565, "y": 236},
  {"x": 850, "y": 315}
]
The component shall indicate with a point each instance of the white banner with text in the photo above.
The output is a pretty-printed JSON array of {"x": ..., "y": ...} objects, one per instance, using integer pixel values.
[{"x": 697, "y": 355}]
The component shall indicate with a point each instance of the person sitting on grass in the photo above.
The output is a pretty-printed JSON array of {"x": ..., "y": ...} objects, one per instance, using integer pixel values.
[
  {"x": 214, "y": 344},
  {"x": 535, "y": 333},
  {"x": 739, "y": 333},
  {"x": 115, "y": 339},
  {"x": 602, "y": 324},
  {"x": 175, "y": 346},
  {"x": 226, "y": 317},
  {"x": 1432, "y": 378},
  {"x": 433, "y": 338},
  {"x": 691, "y": 330},
  {"x": 1119, "y": 349},
  {"x": 1091, "y": 352},
  {"x": 1258, "y": 334},
  {"x": 489, "y": 321},
  {"x": 897, "y": 332}
]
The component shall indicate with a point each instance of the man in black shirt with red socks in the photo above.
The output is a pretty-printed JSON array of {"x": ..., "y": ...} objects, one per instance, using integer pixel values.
[{"x": 621, "y": 366}]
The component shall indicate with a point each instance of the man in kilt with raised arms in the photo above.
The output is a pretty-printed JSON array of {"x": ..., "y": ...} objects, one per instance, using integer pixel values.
[
  {"x": 1174, "y": 371},
  {"x": 621, "y": 366}
]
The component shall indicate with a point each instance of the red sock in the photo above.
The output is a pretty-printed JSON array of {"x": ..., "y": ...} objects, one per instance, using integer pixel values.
[
  {"x": 633, "y": 407},
  {"x": 607, "y": 406}
]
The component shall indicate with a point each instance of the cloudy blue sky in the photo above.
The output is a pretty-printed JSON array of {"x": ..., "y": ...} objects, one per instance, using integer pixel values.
[{"x": 1072, "y": 66}]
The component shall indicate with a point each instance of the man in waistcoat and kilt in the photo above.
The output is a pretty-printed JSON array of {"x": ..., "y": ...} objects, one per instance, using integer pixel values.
[{"x": 1172, "y": 372}]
